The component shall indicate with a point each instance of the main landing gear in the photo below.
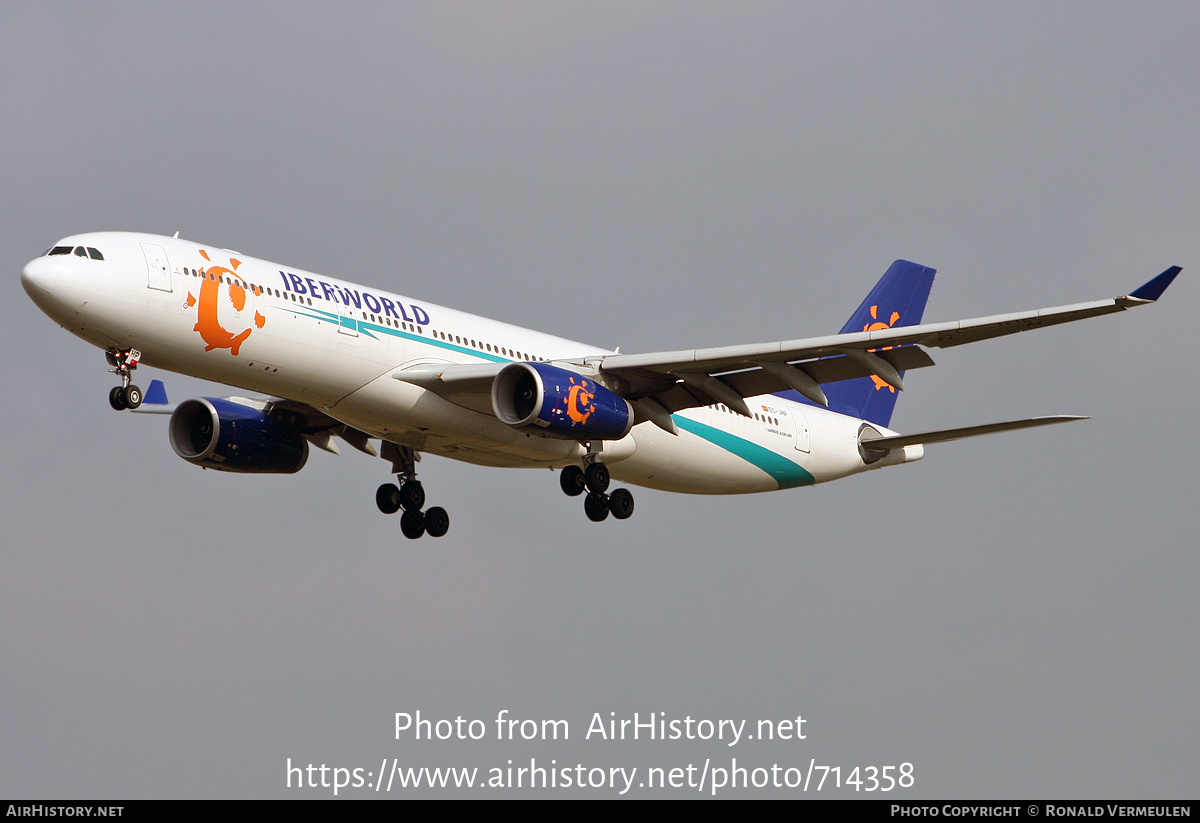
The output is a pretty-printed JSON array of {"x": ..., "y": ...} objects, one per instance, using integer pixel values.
[
  {"x": 124, "y": 396},
  {"x": 593, "y": 478},
  {"x": 409, "y": 496}
]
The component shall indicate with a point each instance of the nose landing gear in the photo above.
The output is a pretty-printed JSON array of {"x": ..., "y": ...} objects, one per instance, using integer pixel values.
[{"x": 124, "y": 396}]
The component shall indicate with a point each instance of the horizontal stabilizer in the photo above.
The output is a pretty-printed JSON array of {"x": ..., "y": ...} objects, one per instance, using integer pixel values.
[{"x": 921, "y": 438}]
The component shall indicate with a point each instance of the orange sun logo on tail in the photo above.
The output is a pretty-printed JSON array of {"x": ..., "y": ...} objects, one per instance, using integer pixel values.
[
  {"x": 207, "y": 321},
  {"x": 877, "y": 326}
]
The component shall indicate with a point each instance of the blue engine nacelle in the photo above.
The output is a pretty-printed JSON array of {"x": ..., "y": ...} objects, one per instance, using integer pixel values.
[
  {"x": 230, "y": 437},
  {"x": 559, "y": 402}
]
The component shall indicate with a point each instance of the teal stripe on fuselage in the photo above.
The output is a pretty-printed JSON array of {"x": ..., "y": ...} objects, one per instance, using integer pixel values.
[
  {"x": 373, "y": 329},
  {"x": 788, "y": 474}
]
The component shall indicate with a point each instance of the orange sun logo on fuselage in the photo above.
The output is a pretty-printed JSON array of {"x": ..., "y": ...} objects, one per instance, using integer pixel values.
[
  {"x": 877, "y": 326},
  {"x": 207, "y": 321}
]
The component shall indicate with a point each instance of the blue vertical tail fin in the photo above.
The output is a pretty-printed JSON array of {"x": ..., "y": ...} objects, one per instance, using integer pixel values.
[{"x": 898, "y": 299}]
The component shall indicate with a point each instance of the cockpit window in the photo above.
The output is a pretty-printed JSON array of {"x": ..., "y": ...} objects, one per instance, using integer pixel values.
[{"x": 80, "y": 251}]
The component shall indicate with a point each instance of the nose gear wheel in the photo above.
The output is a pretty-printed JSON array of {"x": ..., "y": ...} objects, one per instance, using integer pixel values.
[{"x": 126, "y": 395}]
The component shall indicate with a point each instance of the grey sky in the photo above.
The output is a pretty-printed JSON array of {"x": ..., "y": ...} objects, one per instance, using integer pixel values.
[{"x": 1014, "y": 615}]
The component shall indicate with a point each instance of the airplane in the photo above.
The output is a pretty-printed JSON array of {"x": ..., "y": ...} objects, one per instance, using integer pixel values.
[{"x": 340, "y": 361}]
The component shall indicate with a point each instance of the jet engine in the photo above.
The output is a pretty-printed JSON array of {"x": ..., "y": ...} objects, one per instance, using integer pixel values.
[
  {"x": 220, "y": 434},
  {"x": 560, "y": 403}
]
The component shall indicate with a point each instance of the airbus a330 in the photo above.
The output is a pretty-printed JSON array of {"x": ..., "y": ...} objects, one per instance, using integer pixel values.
[{"x": 342, "y": 362}]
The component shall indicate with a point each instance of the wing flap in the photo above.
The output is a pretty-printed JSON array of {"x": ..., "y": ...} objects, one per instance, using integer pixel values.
[{"x": 827, "y": 370}]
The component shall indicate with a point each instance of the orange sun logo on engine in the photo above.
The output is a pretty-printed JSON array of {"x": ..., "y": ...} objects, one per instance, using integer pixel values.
[
  {"x": 579, "y": 401},
  {"x": 877, "y": 326},
  {"x": 208, "y": 322}
]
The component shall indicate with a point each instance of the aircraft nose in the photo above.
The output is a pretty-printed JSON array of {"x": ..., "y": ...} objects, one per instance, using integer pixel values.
[{"x": 39, "y": 276}]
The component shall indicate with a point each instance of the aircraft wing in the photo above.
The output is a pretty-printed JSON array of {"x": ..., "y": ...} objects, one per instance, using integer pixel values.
[
  {"x": 658, "y": 384},
  {"x": 315, "y": 425},
  {"x": 682, "y": 379},
  {"x": 467, "y": 385}
]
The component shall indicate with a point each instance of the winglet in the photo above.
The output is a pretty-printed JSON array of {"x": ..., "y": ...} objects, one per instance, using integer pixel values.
[
  {"x": 154, "y": 401},
  {"x": 1154, "y": 289},
  {"x": 156, "y": 394}
]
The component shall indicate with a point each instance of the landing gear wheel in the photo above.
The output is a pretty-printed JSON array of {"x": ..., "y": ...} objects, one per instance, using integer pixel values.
[
  {"x": 132, "y": 396},
  {"x": 116, "y": 398},
  {"x": 596, "y": 477},
  {"x": 595, "y": 506},
  {"x": 571, "y": 480},
  {"x": 437, "y": 522},
  {"x": 387, "y": 498},
  {"x": 620, "y": 503},
  {"x": 412, "y": 496},
  {"x": 412, "y": 524}
]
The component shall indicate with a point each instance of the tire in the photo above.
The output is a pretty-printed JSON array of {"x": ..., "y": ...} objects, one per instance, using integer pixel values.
[
  {"x": 595, "y": 506},
  {"x": 620, "y": 503},
  {"x": 596, "y": 477},
  {"x": 571, "y": 481},
  {"x": 132, "y": 396},
  {"x": 412, "y": 524},
  {"x": 387, "y": 498},
  {"x": 437, "y": 522},
  {"x": 412, "y": 496},
  {"x": 116, "y": 398}
]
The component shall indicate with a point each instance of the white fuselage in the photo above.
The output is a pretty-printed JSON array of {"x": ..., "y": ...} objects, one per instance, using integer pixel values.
[{"x": 334, "y": 345}]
